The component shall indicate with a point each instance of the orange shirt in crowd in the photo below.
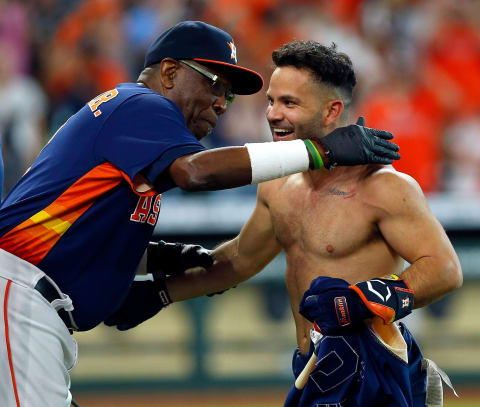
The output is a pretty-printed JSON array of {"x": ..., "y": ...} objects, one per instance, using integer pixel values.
[{"x": 414, "y": 118}]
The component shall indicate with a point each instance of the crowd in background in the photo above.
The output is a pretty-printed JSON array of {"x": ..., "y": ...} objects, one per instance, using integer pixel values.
[{"x": 417, "y": 65}]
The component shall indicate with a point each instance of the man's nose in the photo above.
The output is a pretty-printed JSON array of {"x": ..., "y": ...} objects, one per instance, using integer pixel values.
[{"x": 273, "y": 114}]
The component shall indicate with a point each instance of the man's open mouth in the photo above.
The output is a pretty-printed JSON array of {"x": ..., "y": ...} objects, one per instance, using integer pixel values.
[{"x": 282, "y": 132}]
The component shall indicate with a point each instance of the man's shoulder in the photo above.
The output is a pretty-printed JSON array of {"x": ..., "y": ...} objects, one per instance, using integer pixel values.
[
  {"x": 140, "y": 101},
  {"x": 387, "y": 177},
  {"x": 276, "y": 184},
  {"x": 139, "y": 92},
  {"x": 383, "y": 185},
  {"x": 269, "y": 191}
]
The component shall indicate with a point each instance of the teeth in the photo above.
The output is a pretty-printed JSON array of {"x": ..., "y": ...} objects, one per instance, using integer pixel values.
[{"x": 282, "y": 131}]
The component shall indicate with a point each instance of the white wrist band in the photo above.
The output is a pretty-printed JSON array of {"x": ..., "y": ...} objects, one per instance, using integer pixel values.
[{"x": 277, "y": 159}]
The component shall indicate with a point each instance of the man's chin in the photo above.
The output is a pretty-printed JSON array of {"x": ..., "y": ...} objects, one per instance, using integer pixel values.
[{"x": 202, "y": 132}]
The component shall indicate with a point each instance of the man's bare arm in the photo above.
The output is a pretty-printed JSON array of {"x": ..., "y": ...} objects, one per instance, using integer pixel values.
[
  {"x": 403, "y": 218},
  {"x": 413, "y": 232},
  {"x": 235, "y": 261},
  {"x": 231, "y": 167}
]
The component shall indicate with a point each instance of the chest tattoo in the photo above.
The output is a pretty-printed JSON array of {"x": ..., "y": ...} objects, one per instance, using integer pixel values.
[{"x": 344, "y": 194}]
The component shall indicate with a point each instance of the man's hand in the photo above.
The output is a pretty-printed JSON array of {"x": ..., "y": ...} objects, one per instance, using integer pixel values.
[
  {"x": 146, "y": 297},
  {"x": 173, "y": 258},
  {"x": 356, "y": 145},
  {"x": 335, "y": 305},
  {"x": 332, "y": 305}
]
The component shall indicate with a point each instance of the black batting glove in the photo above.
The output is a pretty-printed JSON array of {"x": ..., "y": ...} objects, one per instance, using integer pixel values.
[
  {"x": 333, "y": 306},
  {"x": 357, "y": 145},
  {"x": 147, "y": 296},
  {"x": 174, "y": 258}
]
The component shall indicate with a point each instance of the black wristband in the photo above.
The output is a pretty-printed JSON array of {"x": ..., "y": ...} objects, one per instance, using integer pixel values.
[{"x": 159, "y": 280}]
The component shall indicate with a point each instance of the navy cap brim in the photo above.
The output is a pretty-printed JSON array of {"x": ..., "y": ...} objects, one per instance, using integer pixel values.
[{"x": 244, "y": 81}]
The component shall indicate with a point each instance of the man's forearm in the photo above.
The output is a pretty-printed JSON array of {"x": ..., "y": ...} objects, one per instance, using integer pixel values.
[
  {"x": 430, "y": 278},
  {"x": 231, "y": 167},
  {"x": 198, "y": 282},
  {"x": 229, "y": 269}
]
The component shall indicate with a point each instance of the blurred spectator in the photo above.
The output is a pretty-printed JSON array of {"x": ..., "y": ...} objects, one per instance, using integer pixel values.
[
  {"x": 22, "y": 118},
  {"x": 142, "y": 22},
  {"x": 15, "y": 34},
  {"x": 86, "y": 57},
  {"x": 368, "y": 64},
  {"x": 404, "y": 106},
  {"x": 462, "y": 147},
  {"x": 452, "y": 58}
]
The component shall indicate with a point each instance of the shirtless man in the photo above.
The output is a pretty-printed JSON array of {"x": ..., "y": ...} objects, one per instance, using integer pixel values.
[{"x": 347, "y": 225}]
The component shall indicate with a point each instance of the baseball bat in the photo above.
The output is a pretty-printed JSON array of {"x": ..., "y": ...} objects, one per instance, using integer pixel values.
[
  {"x": 303, "y": 376},
  {"x": 296, "y": 391}
]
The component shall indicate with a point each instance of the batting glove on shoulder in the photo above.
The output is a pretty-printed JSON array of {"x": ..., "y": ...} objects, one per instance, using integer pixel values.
[
  {"x": 147, "y": 296},
  {"x": 173, "y": 258},
  {"x": 335, "y": 305},
  {"x": 356, "y": 145}
]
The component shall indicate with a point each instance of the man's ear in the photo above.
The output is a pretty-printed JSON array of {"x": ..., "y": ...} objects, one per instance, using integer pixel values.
[
  {"x": 168, "y": 72},
  {"x": 332, "y": 112}
]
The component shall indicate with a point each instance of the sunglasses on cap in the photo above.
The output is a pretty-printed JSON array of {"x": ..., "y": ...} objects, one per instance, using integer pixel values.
[{"x": 219, "y": 88}]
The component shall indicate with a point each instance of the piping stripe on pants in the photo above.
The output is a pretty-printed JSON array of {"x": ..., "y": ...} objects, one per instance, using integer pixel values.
[{"x": 7, "y": 340}]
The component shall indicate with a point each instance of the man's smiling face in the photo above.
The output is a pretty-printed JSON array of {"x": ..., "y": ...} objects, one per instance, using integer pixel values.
[{"x": 295, "y": 106}]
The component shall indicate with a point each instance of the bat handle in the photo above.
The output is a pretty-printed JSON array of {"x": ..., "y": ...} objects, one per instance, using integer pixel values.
[{"x": 303, "y": 376}]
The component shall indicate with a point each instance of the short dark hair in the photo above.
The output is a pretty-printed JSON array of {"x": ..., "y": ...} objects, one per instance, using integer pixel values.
[{"x": 326, "y": 63}]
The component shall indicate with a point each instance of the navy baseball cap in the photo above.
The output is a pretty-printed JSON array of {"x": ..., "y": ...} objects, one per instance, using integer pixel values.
[{"x": 209, "y": 46}]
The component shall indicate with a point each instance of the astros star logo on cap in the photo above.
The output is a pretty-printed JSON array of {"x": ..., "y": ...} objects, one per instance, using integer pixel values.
[{"x": 234, "y": 51}]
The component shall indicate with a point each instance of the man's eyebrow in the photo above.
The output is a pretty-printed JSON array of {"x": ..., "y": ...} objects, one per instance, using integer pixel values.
[{"x": 284, "y": 97}]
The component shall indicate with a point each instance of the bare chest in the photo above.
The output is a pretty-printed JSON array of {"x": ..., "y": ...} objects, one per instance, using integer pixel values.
[{"x": 329, "y": 222}]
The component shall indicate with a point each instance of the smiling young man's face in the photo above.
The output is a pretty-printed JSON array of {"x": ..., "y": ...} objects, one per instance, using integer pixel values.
[{"x": 296, "y": 104}]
